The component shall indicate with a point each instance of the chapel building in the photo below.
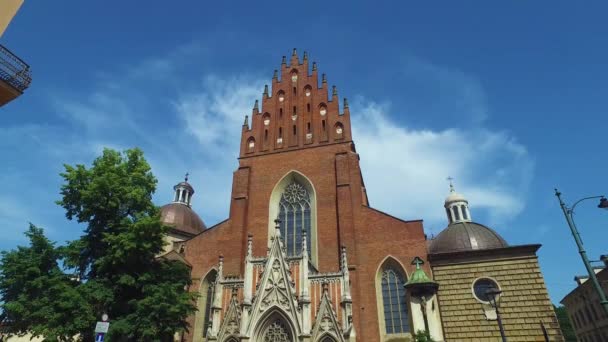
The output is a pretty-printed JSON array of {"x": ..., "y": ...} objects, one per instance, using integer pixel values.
[{"x": 303, "y": 256}]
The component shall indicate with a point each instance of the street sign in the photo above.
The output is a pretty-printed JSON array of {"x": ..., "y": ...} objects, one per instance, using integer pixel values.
[
  {"x": 102, "y": 327},
  {"x": 99, "y": 337}
]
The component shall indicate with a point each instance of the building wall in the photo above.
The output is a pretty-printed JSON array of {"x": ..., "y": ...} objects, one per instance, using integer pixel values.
[
  {"x": 588, "y": 317},
  {"x": 8, "y": 9},
  {"x": 524, "y": 302},
  {"x": 343, "y": 218}
]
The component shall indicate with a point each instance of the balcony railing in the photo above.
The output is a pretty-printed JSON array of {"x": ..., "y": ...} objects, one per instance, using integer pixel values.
[{"x": 13, "y": 70}]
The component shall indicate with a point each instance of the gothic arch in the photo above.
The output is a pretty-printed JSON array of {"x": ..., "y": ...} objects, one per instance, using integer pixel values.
[
  {"x": 392, "y": 301},
  {"x": 290, "y": 177},
  {"x": 203, "y": 305},
  {"x": 276, "y": 324},
  {"x": 327, "y": 338}
]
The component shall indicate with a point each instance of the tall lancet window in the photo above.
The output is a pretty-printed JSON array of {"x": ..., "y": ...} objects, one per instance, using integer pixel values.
[
  {"x": 396, "y": 316},
  {"x": 294, "y": 213}
]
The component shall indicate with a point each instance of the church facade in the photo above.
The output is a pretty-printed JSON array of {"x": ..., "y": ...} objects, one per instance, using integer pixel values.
[{"x": 303, "y": 256}]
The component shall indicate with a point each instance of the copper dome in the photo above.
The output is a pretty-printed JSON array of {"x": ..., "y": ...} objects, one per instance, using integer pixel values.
[
  {"x": 181, "y": 218},
  {"x": 466, "y": 236}
]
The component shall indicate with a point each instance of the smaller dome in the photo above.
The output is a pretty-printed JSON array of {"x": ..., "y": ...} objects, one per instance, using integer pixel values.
[
  {"x": 181, "y": 218},
  {"x": 186, "y": 185},
  {"x": 455, "y": 197},
  {"x": 466, "y": 236}
]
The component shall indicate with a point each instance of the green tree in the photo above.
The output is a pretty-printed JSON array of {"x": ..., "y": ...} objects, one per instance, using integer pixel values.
[
  {"x": 39, "y": 298},
  {"x": 564, "y": 323},
  {"x": 113, "y": 268},
  {"x": 145, "y": 296}
]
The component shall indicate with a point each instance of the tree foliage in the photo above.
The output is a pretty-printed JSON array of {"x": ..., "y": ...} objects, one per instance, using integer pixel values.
[
  {"x": 564, "y": 323},
  {"x": 115, "y": 261},
  {"x": 39, "y": 298}
]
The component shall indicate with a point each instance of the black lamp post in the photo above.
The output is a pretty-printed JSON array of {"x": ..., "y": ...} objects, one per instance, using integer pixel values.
[
  {"x": 569, "y": 214},
  {"x": 492, "y": 296}
]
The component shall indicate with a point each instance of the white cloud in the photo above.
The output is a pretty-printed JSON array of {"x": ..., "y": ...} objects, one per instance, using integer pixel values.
[
  {"x": 214, "y": 114},
  {"x": 405, "y": 170},
  {"x": 197, "y": 128}
]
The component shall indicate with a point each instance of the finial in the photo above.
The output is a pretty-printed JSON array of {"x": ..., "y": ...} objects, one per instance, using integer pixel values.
[
  {"x": 450, "y": 179},
  {"x": 417, "y": 261},
  {"x": 249, "y": 244},
  {"x": 266, "y": 90},
  {"x": 275, "y": 75},
  {"x": 314, "y": 66},
  {"x": 284, "y": 61},
  {"x": 246, "y": 123},
  {"x": 186, "y": 177},
  {"x": 343, "y": 261},
  {"x": 345, "y": 103},
  {"x": 304, "y": 243},
  {"x": 256, "y": 107},
  {"x": 334, "y": 91},
  {"x": 323, "y": 79},
  {"x": 305, "y": 56},
  {"x": 235, "y": 292},
  {"x": 294, "y": 53}
]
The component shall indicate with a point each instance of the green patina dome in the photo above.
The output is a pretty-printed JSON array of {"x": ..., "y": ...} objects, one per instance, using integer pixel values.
[{"x": 419, "y": 282}]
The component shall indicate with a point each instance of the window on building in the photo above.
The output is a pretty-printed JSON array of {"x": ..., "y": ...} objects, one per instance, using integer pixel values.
[
  {"x": 295, "y": 216},
  {"x": 322, "y": 109},
  {"x": 396, "y": 315},
  {"x": 482, "y": 286},
  {"x": 464, "y": 212},
  {"x": 339, "y": 129},
  {"x": 594, "y": 312},
  {"x": 205, "y": 304},
  {"x": 277, "y": 332},
  {"x": 266, "y": 119},
  {"x": 456, "y": 213}
]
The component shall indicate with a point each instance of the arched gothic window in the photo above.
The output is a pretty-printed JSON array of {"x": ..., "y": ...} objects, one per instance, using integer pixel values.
[
  {"x": 294, "y": 213},
  {"x": 396, "y": 316},
  {"x": 277, "y": 332},
  {"x": 205, "y": 303}
]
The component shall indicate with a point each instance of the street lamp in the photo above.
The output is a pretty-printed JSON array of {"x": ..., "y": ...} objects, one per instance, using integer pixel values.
[
  {"x": 569, "y": 214},
  {"x": 492, "y": 296}
]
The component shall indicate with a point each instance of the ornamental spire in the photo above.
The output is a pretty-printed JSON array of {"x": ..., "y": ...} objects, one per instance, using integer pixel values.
[
  {"x": 456, "y": 206},
  {"x": 183, "y": 191}
]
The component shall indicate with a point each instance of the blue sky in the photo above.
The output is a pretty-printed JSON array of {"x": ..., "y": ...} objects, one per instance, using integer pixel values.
[{"x": 510, "y": 99}]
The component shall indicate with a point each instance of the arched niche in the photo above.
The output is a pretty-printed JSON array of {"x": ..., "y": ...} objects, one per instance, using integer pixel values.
[
  {"x": 327, "y": 338},
  {"x": 393, "y": 305},
  {"x": 275, "y": 203},
  {"x": 275, "y": 326},
  {"x": 203, "y": 305}
]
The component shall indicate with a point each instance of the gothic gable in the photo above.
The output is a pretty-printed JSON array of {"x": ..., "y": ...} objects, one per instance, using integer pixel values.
[
  {"x": 326, "y": 323},
  {"x": 276, "y": 289},
  {"x": 232, "y": 319}
]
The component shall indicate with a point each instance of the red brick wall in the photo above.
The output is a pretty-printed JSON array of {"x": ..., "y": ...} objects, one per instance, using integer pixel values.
[{"x": 343, "y": 217}]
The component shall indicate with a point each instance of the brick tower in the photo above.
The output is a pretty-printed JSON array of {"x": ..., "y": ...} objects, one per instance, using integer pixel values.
[{"x": 331, "y": 268}]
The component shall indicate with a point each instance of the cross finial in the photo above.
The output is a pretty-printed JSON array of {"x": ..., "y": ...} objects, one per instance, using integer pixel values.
[
  {"x": 417, "y": 261},
  {"x": 186, "y": 176},
  {"x": 450, "y": 179}
]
